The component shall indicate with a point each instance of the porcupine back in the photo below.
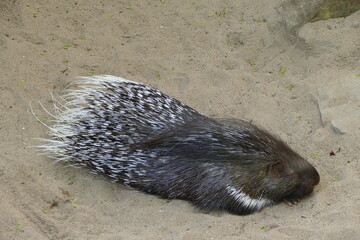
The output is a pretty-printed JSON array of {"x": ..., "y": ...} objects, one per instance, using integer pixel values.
[
  {"x": 143, "y": 138},
  {"x": 99, "y": 123}
]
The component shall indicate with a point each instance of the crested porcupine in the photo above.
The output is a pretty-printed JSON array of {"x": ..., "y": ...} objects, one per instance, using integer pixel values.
[{"x": 140, "y": 137}]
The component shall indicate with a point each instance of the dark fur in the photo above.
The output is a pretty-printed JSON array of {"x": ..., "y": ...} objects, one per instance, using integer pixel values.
[{"x": 262, "y": 164}]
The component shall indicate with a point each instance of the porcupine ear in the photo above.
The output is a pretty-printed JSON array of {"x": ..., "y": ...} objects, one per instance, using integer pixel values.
[{"x": 279, "y": 170}]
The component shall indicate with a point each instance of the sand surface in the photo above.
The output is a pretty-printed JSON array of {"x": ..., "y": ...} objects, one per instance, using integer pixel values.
[{"x": 216, "y": 56}]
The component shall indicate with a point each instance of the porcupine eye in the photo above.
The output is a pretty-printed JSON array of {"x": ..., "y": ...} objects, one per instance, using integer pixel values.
[
  {"x": 278, "y": 170},
  {"x": 283, "y": 183},
  {"x": 309, "y": 179}
]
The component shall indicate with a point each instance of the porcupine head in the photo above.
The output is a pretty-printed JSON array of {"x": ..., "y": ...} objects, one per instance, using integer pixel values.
[
  {"x": 138, "y": 136},
  {"x": 275, "y": 171},
  {"x": 261, "y": 169}
]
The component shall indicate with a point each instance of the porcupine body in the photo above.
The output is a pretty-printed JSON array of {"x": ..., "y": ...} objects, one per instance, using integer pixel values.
[{"x": 140, "y": 137}]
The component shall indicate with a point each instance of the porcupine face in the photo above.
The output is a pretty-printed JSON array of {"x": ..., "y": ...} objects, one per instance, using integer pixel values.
[
  {"x": 306, "y": 178},
  {"x": 292, "y": 178},
  {"x": 266, "y": 170}
]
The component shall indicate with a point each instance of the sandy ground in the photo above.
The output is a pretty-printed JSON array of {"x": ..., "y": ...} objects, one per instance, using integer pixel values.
[{"x": 216, "y": 56}]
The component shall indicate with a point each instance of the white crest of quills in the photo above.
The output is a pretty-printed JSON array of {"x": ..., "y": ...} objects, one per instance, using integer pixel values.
[{"x": 140, "y": 137}]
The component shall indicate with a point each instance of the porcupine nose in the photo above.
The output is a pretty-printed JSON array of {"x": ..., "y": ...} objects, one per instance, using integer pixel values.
[
  {"x": 311, "y": 179},
  {"x": 316, "y": 178}
]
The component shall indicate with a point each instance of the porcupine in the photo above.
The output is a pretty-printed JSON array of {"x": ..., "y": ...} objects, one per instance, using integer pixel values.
[{"x": 138, "y": 136}]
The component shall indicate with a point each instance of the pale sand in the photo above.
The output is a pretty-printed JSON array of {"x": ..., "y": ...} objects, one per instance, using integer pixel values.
[{"x": 200, "y": 53}]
